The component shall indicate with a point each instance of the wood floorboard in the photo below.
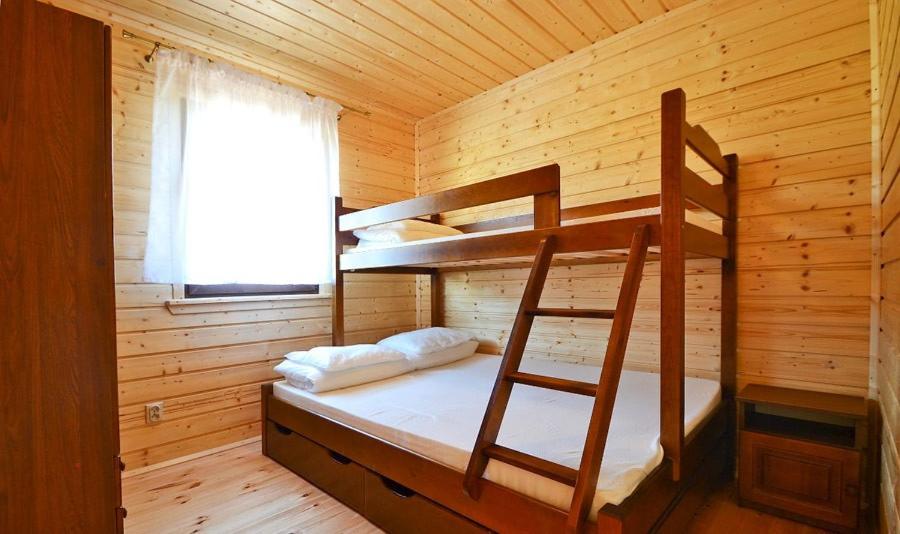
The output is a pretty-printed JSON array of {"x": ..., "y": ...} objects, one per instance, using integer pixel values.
[
  {"x": 720, "y": 513},
  {"x": 237, "y": 490},
  {"x": 240, "y": 490}
]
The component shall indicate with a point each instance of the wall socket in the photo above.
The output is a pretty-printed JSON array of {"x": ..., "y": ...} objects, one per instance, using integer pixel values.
[{"x": 153, "y": 412}]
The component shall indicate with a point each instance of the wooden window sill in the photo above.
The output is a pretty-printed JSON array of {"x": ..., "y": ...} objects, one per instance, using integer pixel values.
[{"x": 178, "y": 306}]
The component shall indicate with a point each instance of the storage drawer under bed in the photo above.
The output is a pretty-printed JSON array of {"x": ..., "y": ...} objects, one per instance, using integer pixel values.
[
  {"x": 389, "y": 505},
  {"x": 335, "y": 474},
  {"x": 399, "y": 510}
]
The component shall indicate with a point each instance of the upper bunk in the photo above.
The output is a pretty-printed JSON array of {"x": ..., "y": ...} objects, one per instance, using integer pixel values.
[{"x": 593, "y": 233}]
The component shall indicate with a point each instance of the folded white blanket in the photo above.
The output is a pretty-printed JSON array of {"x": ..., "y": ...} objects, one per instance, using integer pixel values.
[
  {"x": 363, "y": 244},
  {"x": 313, "y": 379},
  {"x": 347, "y": 357}
]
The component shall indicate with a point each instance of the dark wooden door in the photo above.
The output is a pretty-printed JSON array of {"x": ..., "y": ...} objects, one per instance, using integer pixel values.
[{"x": 58, "y": 422}]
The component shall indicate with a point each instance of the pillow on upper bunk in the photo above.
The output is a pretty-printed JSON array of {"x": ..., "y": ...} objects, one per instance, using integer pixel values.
[
  {"x": 403, "y": 231},
  {"x": 433, "y": 346},
  {"x": 389, "y": 237},
  {"x": 316, "y": 380},
  {"x": 347, "y": 357},
  {"x": 417, "y": 225}
]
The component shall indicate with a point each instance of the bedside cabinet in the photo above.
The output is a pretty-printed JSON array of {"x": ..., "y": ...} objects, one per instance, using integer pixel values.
[{"x": 801, "y": 454}]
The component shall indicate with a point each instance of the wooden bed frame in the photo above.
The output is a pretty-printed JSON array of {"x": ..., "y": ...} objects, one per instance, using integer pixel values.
[{"x": 667, "y": 498}]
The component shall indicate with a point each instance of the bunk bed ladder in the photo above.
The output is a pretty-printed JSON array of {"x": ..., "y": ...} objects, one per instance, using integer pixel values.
[{"x": 584, "y": 479}]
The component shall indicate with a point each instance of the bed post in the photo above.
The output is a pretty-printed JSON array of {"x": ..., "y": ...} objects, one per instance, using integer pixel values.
[
  {"x": 337, "y": 304},
  {"x": 437, "y": 299},
  {"x": 728, "y": 313},
  {"x": 672, "y": 279},
  {"x": 436, "y": 286},
  {"x": 728, "y": 373},
  {"x": 546, "y": 205},
  {"x": 266, "y": 392}
]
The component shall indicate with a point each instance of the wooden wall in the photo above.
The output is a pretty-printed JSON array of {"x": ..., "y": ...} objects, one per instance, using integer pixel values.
[
  {"x": 886, "y": 28},
  {"x": 206, "y": 361},
  {"x": 783, "y": 83}
]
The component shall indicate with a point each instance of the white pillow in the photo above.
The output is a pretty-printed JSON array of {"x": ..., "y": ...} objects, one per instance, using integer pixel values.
[
  {"x": 417, "y": 225},
  {"x": 426, "y": 340},
  {"x": 347, "y": 357},
  {"x": 394, "y": 236},
  {"x": 313, "y": 379},
  {"x": 443, "y": 357},
  {"x": 402, "y": 231}
]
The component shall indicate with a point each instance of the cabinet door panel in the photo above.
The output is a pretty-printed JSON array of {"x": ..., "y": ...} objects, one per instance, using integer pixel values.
[{"x": 808, "y": 479}]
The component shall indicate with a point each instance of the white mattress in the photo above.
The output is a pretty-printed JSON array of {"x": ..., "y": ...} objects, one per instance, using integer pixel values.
[
  {"x": 437, "y": 413},
  {"x": 693, "y": 218}
]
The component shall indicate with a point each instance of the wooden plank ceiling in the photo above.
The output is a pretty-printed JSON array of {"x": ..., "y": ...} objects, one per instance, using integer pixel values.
[{"x": 407, "y": 58}]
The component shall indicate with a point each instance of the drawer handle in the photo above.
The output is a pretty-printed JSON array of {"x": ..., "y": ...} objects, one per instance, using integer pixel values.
[
  {"x": 339, "y": 458},
  {"x": 282, "y": 429},
  {"x": 397, "y": 489}
]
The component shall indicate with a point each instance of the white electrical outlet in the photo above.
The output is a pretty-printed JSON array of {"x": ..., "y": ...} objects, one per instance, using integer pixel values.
[{"x": 153, "y": 412}]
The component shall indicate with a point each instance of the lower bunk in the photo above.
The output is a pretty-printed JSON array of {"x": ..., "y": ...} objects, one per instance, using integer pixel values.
[{"x": 396, "y": 450}]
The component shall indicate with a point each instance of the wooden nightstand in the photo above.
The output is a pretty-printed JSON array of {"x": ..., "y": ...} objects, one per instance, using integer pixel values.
[{"x": 801, "y": 454}]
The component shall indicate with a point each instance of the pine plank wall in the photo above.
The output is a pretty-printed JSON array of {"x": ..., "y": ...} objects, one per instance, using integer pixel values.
[
  {"x": 887, "y": 33},
  {"x": 207, "y": 361},
  {"x": 783, "y": 83}
]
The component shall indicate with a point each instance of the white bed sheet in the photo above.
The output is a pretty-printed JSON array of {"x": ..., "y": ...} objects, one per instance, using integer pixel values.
[{"x": 437, "y": 412}]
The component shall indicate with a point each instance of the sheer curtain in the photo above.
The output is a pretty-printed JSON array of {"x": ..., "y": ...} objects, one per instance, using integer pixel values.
[{"x": 244, "y": 172}]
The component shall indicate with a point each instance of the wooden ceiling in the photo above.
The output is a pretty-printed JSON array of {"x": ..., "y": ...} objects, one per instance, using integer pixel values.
[{"x": 408, "y": 58}]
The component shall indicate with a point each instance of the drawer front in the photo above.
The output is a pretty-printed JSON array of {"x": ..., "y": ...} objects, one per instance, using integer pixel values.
[
  {"x": 333, "y": 473},
  {"x": 808, "y": 479},
  {"x": 398, "y": 510}
]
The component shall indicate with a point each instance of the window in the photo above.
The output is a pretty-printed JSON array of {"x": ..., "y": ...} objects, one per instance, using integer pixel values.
[
  {"x": 193, "y": 291},
  {"x": 244, "y": 172}
]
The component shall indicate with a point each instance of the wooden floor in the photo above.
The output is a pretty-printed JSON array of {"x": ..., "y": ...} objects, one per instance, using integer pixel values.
[
  {"x": 239, "y": 490},
  {"x": 720, "y": 513}
]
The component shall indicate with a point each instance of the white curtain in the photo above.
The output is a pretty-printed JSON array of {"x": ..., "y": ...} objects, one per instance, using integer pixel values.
[{"x": 244, "y": 172}]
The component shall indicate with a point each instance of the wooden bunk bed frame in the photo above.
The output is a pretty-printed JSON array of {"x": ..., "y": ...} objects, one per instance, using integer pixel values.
[{"x": 666, "y": 499}]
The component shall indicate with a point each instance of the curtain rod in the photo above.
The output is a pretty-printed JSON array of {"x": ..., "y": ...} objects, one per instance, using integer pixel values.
[{"x": 157, "y": 45}]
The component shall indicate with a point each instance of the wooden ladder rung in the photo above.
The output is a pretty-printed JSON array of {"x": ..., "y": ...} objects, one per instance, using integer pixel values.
[
  {"x": 569, "y": 312},
  {"x": 545, "y": 468},
  {"x": 550, "y": 382}
]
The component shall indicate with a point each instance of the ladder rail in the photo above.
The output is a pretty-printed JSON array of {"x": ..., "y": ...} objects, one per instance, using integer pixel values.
[
  {"x": 601, "y": 416},
  {"x": 512, "y": 357},
  {"x": 550, "y": 382},
  {"x": 545, "y": 468},
  {"x": 573, "y": 313},
  {"x": 584, "y": 479}
]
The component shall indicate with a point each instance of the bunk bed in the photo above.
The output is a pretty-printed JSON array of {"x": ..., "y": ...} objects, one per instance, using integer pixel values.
[{"x": 401, "y": 489}]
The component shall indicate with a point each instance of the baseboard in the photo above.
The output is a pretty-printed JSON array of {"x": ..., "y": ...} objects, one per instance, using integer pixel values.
[{"x": 181, "y": 459}]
